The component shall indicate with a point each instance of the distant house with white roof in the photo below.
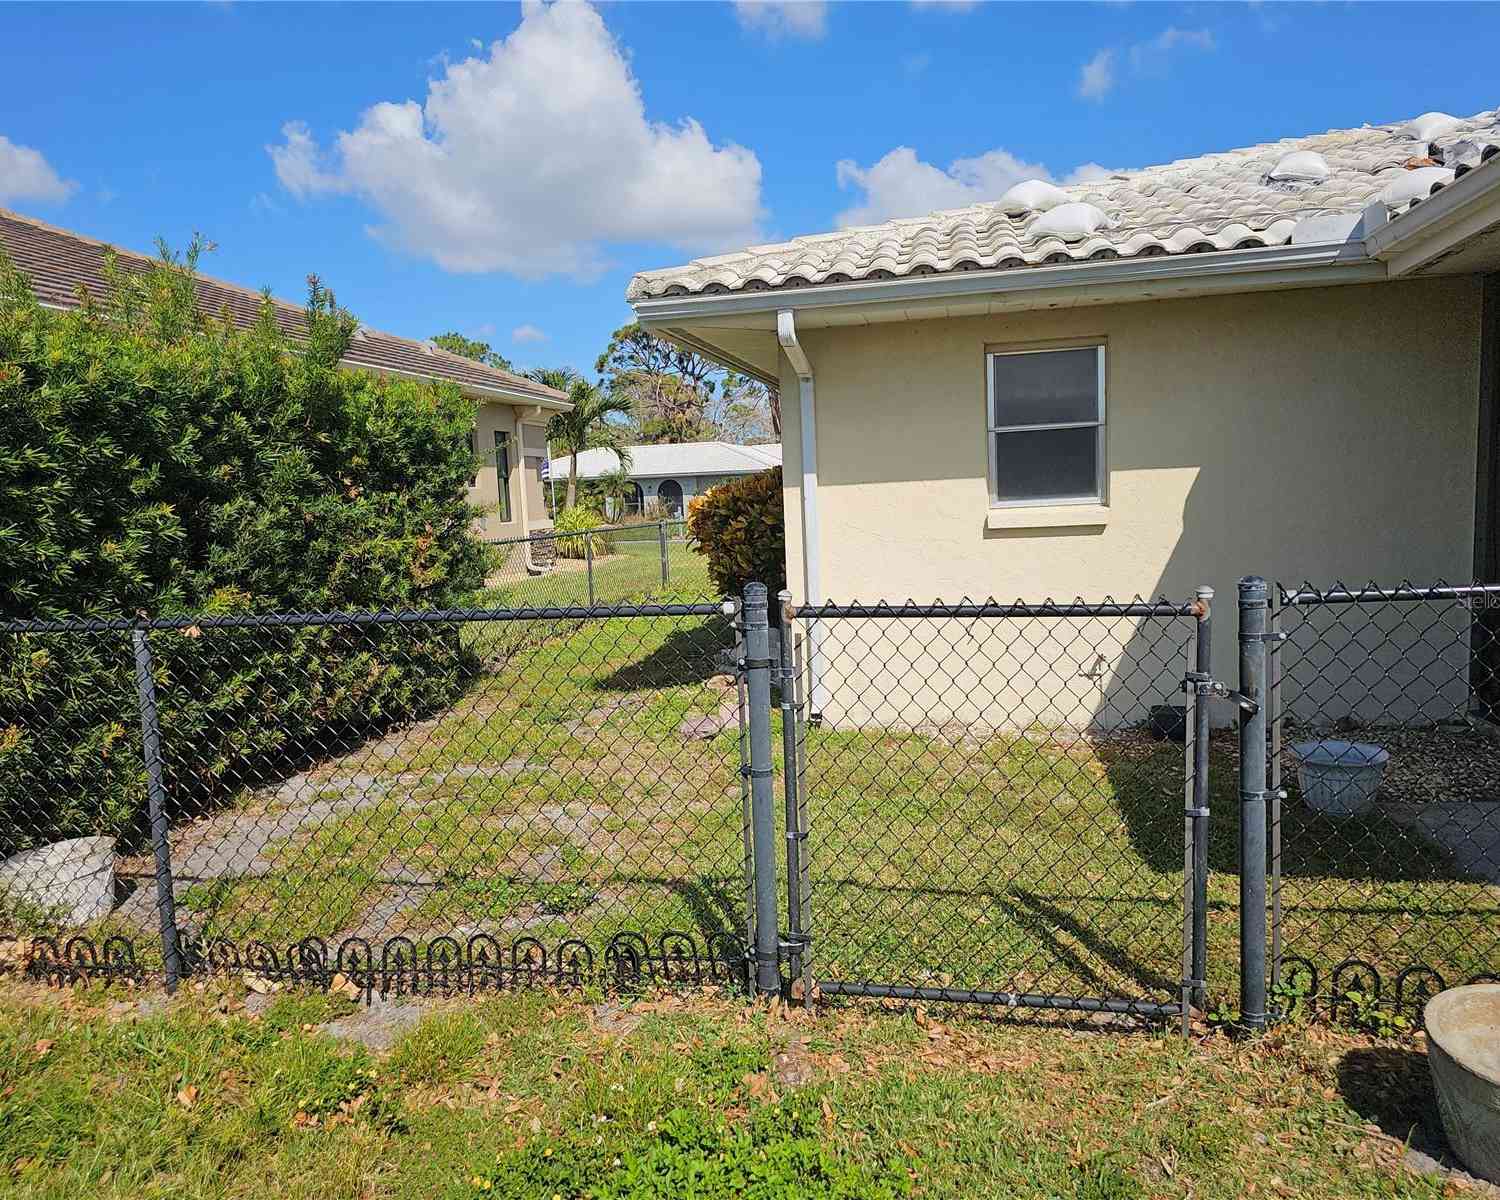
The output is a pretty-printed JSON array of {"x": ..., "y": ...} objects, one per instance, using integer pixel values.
[{"x": 666, "y": 477}]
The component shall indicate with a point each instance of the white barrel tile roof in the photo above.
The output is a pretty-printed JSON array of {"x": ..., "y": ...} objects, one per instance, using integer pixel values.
[{"x": 1220, "y": 201}]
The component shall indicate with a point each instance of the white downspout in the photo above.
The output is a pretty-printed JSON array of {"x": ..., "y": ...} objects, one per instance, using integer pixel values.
[{"x": 812, "y": 584}]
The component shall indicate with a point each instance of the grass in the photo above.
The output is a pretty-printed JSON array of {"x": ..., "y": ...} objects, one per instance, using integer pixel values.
[{"x": 531, "y": 1095}]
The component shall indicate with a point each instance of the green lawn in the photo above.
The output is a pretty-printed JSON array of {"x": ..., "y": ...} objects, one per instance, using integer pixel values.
[{"x": 533, "y": 1095}]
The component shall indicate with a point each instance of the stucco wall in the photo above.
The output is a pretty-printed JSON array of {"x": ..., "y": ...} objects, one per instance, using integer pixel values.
[
  {"x": 485, "y": 492},
  {"x": 1317, "y": 434}
]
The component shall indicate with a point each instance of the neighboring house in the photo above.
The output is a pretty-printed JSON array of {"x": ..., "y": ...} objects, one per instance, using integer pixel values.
[
  {"x": 510, "y": 434},
  {"x": 1282, "y": 360},
  {"x": 666, "y": 477}
]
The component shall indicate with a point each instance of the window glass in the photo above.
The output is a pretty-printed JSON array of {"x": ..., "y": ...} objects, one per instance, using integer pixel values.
[
  {"x": 502, "y": 472},
  {"x": 1047, "y": 464},
  {"x": 1054, "y": 387}
]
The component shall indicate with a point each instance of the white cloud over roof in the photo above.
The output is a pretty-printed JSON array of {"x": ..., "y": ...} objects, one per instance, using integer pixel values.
[
  {"x": 26, "y": 175},
  {"x": 532, "y": 159}
]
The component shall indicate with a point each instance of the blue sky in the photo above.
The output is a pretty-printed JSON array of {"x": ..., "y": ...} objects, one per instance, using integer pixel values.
[{"x": 503, "y": 172}]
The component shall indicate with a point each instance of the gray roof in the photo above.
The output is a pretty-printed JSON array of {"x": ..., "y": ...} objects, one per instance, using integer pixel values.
[
  {"x": 1237, "y": 199},
  {"x": 61, "y": 264},
  {"x": 676, "y": 460}
]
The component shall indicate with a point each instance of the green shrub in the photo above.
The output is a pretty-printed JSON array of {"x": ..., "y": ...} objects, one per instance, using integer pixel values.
[
  {"x": 740, "y": 527},
  {"x": 575, "y": 520},
  {"x": 156, "y": 460}
]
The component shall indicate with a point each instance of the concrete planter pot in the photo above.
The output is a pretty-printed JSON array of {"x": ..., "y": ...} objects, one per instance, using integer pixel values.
[
  {"x": 71, "y": 882},
  {"x": 1463, "y": 1053},
  {"x": 1338, "y": 778}
]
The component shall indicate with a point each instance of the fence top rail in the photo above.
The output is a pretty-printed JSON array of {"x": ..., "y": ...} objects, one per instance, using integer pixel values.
[
  {"x": 435, "y": 616},
  {"x": 1307, "y": 595},
  {"x": 994, "y": 608},
  {"x": 542, "y": 535}
]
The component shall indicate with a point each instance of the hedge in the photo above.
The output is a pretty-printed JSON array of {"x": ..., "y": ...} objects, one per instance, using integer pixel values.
[
  {"x": 739, "y": 526},
  {"x": 157, "y": 460}
]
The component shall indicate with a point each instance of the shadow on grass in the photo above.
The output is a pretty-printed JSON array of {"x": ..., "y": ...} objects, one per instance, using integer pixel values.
[
  {"x": 1045, "y": 919},
  {"x": 1392, "y": 1088},
  {"x": 1149, "y": 791},
  {"x": 690, "y": 654}
]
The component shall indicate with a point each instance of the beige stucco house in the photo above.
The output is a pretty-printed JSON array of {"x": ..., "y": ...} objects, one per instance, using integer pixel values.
[
  {"x": 510, "y": 434},
  {"x": 1280, "y": 360}
]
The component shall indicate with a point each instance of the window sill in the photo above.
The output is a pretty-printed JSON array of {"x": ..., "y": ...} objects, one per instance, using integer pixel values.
[{"x": 1048, "y": 516}]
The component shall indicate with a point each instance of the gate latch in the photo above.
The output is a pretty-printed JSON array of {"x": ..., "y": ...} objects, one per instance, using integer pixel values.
[{"x": 1199, "y": 683}]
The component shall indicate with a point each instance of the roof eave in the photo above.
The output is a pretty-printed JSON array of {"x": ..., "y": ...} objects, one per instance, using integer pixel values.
[
  {"x": 488, "y": 392},
  {"x": 497, "y": 393},
  {"x": 1431, "y": 230},
  {"x": 1254, "y": 269}
]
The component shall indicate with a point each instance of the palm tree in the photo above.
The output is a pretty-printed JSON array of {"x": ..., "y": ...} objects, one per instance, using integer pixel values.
[
  {"x": 561, "y": 378},
  {"x": 587, "y": 426}
]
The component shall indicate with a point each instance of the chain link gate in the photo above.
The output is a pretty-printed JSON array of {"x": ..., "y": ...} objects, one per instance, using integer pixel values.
[{"x": 993, "y": 804}]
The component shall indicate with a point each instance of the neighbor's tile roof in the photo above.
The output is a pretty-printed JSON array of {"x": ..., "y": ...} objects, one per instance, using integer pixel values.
[
  {"x": 59, "y": 262},
  {"x": 1219, "y": 201},
  {"x": 682, "y": 458}
]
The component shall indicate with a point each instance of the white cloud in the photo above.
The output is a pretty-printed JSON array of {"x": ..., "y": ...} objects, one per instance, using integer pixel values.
[
  {"x": 533, "y": 160},
  {"x": 26, "y": 175},
  {"x": 297, "y": 163},
  {"x": 1098, "y": 76},
  {"x": 784, "y": 18},
  {"x": 527, "y": 333},
  {"x": 1150, "y": 57},
  {"x": 902, "y": 185}
]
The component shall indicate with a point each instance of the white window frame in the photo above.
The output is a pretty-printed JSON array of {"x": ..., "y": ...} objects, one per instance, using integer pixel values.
[{"x": 1100, "y": 494}]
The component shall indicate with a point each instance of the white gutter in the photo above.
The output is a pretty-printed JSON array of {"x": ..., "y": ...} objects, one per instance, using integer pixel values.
[
  {"x": 1254, "y": 269},
  {"x": 812, "y": 581},
  {"x": 1421, "y": 236}
]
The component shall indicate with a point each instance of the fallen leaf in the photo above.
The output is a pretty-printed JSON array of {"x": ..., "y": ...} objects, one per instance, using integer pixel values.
[
  {"x": 42, "y": 1046},
  {"x": 188, "y": 1096}
]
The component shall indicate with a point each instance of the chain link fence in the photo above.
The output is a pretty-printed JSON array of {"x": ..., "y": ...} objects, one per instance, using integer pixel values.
[
  {"x": 1019, "y": 805},
  {"x": 405, "y": 798},
  {"x": 1384, "y": 763},
  {"x": 610, "y": 564}
]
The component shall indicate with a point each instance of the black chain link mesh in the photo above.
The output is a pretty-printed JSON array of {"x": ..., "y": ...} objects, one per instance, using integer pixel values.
[
  {"x": 995, "y": 802},
  {"x": 1385, "y": 852},
  {"x": 414, "y": 799}
]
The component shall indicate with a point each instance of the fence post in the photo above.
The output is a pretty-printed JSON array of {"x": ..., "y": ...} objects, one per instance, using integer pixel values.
[
  {"x": 1203, "y": 665},
  {"x": 661, "y": 538},
  {"x": 1254, "y": 601},
  {"x": 588, "y": 562},
  {"x": 762, "y": 799},
  {"x": 156, "y": 797},
  {"x": 787, "y": 679}
]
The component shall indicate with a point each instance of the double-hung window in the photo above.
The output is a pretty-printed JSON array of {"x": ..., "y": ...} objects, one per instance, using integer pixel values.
[
  {"x": 502, "y": 472},
  {"x": 1046, "y": 426}
]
